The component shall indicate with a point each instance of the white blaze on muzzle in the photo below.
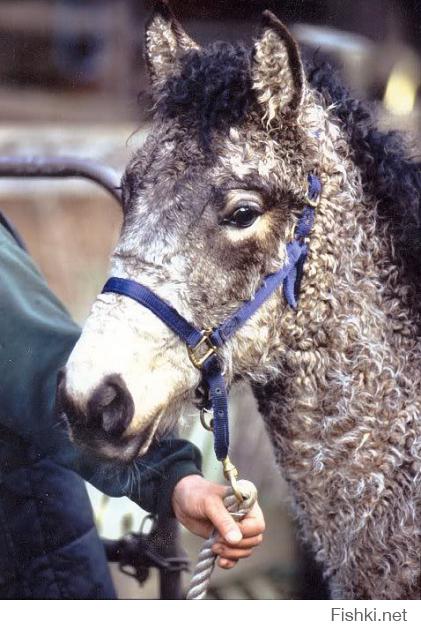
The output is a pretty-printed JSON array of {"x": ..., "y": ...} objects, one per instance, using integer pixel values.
[{"x": 119, "y": 338}]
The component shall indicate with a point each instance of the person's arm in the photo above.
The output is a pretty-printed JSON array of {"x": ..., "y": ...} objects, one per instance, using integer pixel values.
[{"x": 36, "y": 336}]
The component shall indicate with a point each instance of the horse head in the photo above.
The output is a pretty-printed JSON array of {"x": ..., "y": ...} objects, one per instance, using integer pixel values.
[{"x": 210, "y": 202}]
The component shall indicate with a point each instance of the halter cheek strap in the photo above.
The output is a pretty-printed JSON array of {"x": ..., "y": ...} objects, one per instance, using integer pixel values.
[{"x": 202, "y": 345}]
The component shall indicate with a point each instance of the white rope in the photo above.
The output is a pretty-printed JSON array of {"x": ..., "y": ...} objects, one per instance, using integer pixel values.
[{"x": 206, "y": 561}]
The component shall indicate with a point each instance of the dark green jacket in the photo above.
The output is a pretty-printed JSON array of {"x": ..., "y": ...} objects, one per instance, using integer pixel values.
[{"x": 36, "y": 337}]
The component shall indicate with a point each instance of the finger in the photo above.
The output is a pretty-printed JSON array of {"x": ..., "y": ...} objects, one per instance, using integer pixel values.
[
  {"x": 253, "y": 523},
  {"x": 222, "y": 520},
  {"x": 246, "y": 543},
  {"x": 230, "y": 553},
  {"x": 226, "y": 564},
  {"x": 250, "y": 529},
  {"x": 256, "y": 514}
]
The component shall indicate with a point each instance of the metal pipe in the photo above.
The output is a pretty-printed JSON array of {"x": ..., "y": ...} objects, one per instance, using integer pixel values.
[
  {"x": 62, "y": 167},
  {"x": 166, "y": 540}
]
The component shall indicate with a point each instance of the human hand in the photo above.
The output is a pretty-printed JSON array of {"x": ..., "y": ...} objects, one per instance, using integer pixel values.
[{"x": 198, "y": 505}]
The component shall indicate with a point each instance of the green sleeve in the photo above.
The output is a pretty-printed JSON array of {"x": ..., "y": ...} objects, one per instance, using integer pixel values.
[{"x": 36, "y": 337}]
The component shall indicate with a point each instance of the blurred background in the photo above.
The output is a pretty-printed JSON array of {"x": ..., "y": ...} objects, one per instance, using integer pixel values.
[{"x": 73, "y": 82}]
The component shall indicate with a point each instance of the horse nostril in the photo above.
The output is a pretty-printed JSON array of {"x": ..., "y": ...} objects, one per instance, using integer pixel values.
[{"x": 111, "y": 406}]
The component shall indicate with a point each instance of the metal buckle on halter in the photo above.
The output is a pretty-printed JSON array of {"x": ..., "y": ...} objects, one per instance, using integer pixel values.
[{"x": 206, "y": 346}]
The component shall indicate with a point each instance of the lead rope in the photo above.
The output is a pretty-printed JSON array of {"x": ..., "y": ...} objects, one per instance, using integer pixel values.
[
  {"x": 206, "y": 561},
  {"x": 239, "y": 499}
]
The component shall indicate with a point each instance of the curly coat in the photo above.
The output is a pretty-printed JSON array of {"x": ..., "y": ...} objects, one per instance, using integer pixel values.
[{"x": 339, "y": 381}]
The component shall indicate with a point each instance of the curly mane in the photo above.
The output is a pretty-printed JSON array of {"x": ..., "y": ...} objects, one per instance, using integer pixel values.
[
  {"x": 212, "y": 89},
  {"x": 388, "y": 173}
]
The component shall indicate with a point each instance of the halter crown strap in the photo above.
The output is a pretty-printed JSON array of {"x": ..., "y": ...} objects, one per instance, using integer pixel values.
[{"x": 202, "y": 345}]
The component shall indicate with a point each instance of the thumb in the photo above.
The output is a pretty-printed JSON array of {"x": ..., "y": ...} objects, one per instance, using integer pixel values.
[{"x": 223, "y": 521}]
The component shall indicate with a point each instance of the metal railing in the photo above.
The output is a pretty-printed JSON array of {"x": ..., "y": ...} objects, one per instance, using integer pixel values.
[{"x": 62, "y": 167}]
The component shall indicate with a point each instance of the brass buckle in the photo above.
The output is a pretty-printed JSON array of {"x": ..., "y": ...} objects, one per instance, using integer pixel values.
[{"x": 204, "y": 343}]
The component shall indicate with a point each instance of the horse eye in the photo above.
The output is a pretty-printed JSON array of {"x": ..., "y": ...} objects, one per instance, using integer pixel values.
[{"x": 243, "y": 216}]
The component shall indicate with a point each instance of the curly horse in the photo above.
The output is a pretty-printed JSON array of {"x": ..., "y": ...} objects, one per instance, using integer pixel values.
[{"x": 210, "y": 202}]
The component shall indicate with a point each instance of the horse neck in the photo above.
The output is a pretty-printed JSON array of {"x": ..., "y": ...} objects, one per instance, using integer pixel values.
[
  {"x": 351, "y": 348},
  {"x": 344, "y": 412}
]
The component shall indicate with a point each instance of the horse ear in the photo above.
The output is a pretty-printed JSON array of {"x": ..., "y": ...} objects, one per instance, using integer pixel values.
[
  {"x": 277, "y": 69},
  {"x": 165, "y": 41}
]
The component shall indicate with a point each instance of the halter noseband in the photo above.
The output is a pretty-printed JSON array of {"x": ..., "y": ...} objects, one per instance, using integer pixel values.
[{"x": 202, "y": 346}]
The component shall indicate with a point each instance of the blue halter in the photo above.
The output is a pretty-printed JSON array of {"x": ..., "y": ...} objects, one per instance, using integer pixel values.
[{"x": 202, "y": 346}]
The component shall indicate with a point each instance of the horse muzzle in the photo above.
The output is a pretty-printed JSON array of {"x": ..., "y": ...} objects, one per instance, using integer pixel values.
[{"x": 101, "y": 424}]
